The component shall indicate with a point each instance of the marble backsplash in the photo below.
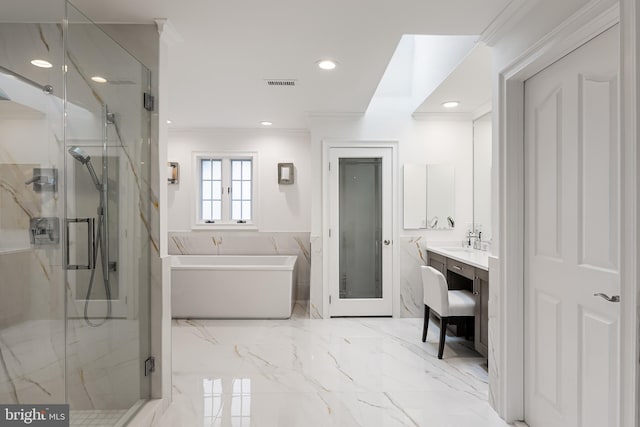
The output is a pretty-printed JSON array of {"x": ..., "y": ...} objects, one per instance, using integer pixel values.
[
  {"x": 248, "y": 243},
  {"x": 412, "y": 256}
]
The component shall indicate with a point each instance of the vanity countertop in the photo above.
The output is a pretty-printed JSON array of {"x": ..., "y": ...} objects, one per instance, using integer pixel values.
[{"x": 474, "y": 257}]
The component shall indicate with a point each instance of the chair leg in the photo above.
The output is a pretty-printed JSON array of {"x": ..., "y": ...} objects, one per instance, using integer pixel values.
[
  {"x": 443, "y": 334},
  {"x": 426, "y": 323}
]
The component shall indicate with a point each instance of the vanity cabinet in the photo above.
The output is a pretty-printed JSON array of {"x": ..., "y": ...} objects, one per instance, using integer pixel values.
[
  {"x": 461, "y": 275},
  {"x": 481, "y": 291}
]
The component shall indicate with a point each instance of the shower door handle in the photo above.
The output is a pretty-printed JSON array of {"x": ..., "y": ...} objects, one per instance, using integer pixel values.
[{"x": 91, "y": 262}]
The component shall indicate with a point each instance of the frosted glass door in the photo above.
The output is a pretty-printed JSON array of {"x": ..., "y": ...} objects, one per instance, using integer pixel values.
[{"x": 360, "y": 260}]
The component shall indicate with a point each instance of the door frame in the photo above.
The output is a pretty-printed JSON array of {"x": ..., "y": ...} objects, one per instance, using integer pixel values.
[
  {"x": 327, "y": 144},
  {"x": 588, "y": 22}
]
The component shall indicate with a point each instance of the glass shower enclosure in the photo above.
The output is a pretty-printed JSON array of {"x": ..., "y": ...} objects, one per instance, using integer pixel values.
[{"x": 74, "y": 209}]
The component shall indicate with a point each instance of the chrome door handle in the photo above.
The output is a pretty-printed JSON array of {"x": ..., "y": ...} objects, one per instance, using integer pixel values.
[
  {"x": 90, "y": 265},
  {"x": 614, "y": 298},
  {"x": 387, "y": 242}
]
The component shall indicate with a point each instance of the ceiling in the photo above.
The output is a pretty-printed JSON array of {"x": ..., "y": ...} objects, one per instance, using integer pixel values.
[{"x": 229, "y": 48}]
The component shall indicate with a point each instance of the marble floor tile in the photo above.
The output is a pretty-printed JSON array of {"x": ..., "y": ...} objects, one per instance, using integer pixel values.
[{"x": 332, "y": 372}]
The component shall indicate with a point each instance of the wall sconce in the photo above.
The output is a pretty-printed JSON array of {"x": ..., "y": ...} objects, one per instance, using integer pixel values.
[
  {"x": 285, "y": 173},
  {"x": 174, "y": 172}
]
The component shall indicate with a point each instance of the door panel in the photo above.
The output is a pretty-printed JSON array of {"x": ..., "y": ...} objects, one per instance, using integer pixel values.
[
  {"x": 598, "y": 163},
  {"x": 572, "y": 209},
  {"x": 598, "y": 361},
  {"x": 360, "y": 261}
]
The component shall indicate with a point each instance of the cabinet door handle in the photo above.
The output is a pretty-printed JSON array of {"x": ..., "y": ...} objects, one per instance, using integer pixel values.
[{"x": 456, "y": 267}]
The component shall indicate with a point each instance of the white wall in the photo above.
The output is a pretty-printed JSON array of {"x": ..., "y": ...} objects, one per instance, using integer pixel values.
[{"x": 280, "y": 207}]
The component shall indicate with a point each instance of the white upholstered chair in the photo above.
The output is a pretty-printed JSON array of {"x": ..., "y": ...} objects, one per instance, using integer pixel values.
[{"x": 448, "y": 305}]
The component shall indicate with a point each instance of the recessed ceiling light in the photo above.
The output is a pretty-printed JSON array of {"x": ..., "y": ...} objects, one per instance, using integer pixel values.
[
  {"x": 266, "y": 123},
  {"x": 41, "y": 63},
  {"x": 450, "y": 104},
  {"x": 99, "y": 79},
  {"x": 169, "y": 122},
  {"x": 327, "y": 64}
]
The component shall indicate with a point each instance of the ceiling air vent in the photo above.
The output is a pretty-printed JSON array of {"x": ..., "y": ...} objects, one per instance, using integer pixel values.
[{"x": 281, "y": 82}]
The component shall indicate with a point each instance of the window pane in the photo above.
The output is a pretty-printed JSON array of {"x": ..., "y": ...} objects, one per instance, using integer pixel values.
[
  {"x": 206, "y": 169},
  {"x": 236, "y": 190},
  {"x": 206, "y": 210},
  {"x": 236, "y": 210},
  {"x": 216, "y": 169},
  {"x": 246, "y": 210},
  {"x": 217, "y": 210},
  {"x": 217, "y": 190},
  {"x": 236, "y": 169},
  {"x": 246, "y": 190},
  {"x": 246, "y": 169},
  {"x": 206, "y": 189}
]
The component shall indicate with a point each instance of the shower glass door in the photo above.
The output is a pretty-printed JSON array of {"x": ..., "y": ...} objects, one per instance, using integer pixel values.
[
  {"x": 107, "y": 211},
  {"x": 361, "y": 259}
]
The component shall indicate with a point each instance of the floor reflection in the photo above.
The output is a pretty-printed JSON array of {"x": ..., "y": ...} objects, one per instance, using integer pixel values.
[{"x": 235, "y": 414}]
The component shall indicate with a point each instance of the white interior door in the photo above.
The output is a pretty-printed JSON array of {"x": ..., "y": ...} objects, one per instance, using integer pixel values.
[
  {"x": 360, "y": 261},
  {"x": 572, "y": 239}
]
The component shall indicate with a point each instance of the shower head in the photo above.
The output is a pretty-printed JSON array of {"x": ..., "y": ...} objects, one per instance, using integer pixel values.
[
  {"x": 4, "y": 96},
  {"x": 79, "y": 155},
  {"x": 84, "y": 158}
]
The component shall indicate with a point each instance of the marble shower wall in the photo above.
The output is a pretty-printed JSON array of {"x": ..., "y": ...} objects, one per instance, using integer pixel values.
[{"x": 247, "y": 243}]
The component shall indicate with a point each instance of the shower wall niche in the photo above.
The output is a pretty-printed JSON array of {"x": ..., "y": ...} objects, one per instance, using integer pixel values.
[{"x": 74, "y": 214}]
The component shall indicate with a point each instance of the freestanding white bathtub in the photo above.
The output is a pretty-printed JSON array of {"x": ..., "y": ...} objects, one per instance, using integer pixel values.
[{"x": 232, "y": 287}]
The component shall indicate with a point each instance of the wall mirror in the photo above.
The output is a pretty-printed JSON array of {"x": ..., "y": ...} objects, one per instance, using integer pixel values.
[
  {"x": 482, "y": 175},
  {"x": 440, "y": 197},
  {"x": 429, "y": 194},
  {"x": 415, "y": 196}
]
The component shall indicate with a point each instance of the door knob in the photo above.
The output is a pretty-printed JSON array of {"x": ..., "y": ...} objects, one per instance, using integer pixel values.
[
  {"x": 387, "y": 242},
  {"x": 614, "y": 298}
]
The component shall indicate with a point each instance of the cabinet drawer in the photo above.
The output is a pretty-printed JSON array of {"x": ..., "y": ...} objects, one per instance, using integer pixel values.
[
  {"x": 461, "y": 268},
  {"x": 438, "y": 262}
]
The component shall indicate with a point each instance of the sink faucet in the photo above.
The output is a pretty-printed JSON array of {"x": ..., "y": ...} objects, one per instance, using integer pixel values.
[
  {"x": 474, "y": 239},
  {"x": 477, "y": 243}
]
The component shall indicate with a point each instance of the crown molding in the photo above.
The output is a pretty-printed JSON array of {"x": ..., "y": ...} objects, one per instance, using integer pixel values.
[
  {"x": 337, "y": 115},
  {"x": 168, "y": 32},
  {"x": 419, "y": 116},
  {"x": 506, "y": 19},
  {"x": 237, "y": 131}
]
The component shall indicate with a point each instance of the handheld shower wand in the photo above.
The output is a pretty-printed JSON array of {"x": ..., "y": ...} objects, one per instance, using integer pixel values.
[
  {"x": 84, "y": 158},
  {"x": 102, "y": 238}
]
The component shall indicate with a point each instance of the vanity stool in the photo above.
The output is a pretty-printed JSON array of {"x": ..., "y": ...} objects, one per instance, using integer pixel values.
[{"x": 447, "y": 305}]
